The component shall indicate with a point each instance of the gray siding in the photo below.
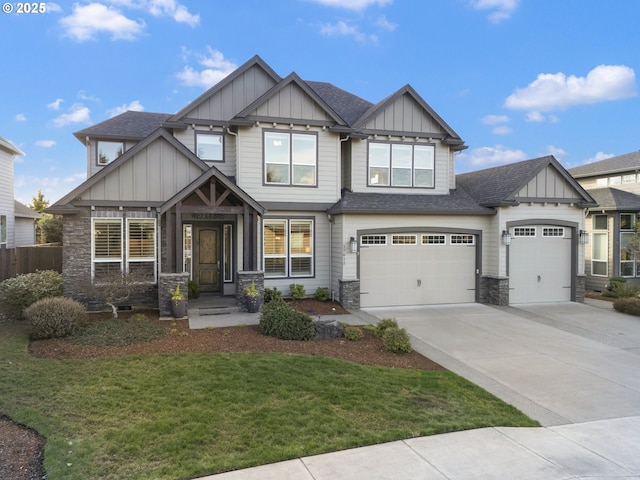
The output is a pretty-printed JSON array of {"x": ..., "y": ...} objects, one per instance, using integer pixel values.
[
  {"x": 292, "y": 102},
  {"x": 549, "y": 184},
  {"x": 25, "y": 232},
  {"x": 405, "y": 115},
  {"x": 188, "y": 138},
  {"x": 7, "y": 204}
]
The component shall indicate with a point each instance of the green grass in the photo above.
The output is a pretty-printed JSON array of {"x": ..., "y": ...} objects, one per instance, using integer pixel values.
[{"x": 190, "y": 415}]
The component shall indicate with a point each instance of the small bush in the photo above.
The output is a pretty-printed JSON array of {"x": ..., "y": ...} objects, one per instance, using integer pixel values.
[
  {"x": 384, "y": 324},
  {"x": 322, "y": 294},
  {"x": 353, "y": 334},
  {"x": 396, "y": 340},
  {"x": 271, "y": 294},
  {"x": 277, "y": 319},
  {"x": 628, "y": 305},
  {"x": 18, "y": 293},
  {"x": 297, "y": 291},
  {"x": 54, "y": 317},
  {"x": 194, "y": 289}
]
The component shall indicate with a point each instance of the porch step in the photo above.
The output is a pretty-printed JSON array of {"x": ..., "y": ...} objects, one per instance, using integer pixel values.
[{"x": 202, "y": 311}]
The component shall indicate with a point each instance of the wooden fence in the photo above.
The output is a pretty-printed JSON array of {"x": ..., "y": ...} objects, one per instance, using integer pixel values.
[{"x": 16, "y": 261}]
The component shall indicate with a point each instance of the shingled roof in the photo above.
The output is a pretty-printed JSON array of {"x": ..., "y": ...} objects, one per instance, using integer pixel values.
[
  {"x": 129, "y": 125},
  {"x": 621, "y": 163},
  {"x": 349, "y": 106},
  {"x": 615, "y": 199}
]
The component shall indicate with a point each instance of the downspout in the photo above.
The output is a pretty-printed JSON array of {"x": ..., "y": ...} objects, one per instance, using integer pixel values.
[{"x": 330, "y": 218}]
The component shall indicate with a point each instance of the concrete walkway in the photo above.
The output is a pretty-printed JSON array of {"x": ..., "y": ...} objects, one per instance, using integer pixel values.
[{"x": 574, "y": 368}]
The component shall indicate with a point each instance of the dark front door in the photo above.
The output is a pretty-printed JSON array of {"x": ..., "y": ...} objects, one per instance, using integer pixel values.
[{"x": 206, "y": 261}]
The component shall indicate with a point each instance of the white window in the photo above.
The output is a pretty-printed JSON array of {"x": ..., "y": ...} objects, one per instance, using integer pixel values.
[
  {"x": 109, "y": 151},
  {"x": 600, "y": 246},
  {"x": 629, "y": 178},
  {"x": 401, "y": 164},
  {"x": 433, "y": 239},
  {"x": 187, "y": 249},
  {"x": 462, "y": 239},
  {"x": 404, "y": 240},
  {"x": 524, "y": 232},
  {"x": 228, "y": 253},
  {"x": 3, "y": 229},
  {"x": 209, "y": 146},
  {"x": 602, "y": 182},
  {"x": 615, "y": 180},
  {"x": 290, "y": 158},
  {"x": 553, "y": 232},
  {"x": 288, "y": 248},
  {"x": 373, "y": 240},
  {"x": 629, "y": 243},
  {"x": 109, "y": 244}
]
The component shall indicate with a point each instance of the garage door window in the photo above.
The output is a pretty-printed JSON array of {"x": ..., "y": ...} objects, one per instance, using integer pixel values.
[
  {"x": 288, "y": 248},
  {"x": 462, "y": 239},
  {"x": 433, "y": 240},
  {"x": 553, "y": 232},
  {"x": 405, "y": 240},
  {"x": 373, "y": 240},
  {"x": 524, "y": 232}
]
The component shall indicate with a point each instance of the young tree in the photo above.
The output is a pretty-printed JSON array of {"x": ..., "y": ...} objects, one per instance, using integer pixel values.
[
  {"x": 39, "y": 203},
  {"x": 48, "y": 227}
]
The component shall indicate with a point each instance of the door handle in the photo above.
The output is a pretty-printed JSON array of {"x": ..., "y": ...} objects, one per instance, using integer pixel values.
[
  {"x": 419, "y": 282},
  {"x": 539, "y": 278}
]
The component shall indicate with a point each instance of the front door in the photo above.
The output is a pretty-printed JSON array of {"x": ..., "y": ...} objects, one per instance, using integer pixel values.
[{"x": 206, "y": 261}]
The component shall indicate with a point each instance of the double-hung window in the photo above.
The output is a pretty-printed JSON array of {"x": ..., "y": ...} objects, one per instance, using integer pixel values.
[
  {"x": 599, "y": 246},
  {"x": 117, "y": 248},
  {"x": 288, "y": 248},
  {"x": 109, "y": 151},
  {"x": 209, "y": 146},
  {"x": 290, "y": 158},
  {"x": 401, "y": 164}
]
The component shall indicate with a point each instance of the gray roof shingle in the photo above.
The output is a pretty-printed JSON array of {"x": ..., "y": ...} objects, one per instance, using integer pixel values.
[
  {"x": 629, "y": 161},
  {"x": 614, "y": 199},
  {"x": 22, "y": 211},
  {"x": 349, "y": 106},
  {"x": 128, "y": 125}
]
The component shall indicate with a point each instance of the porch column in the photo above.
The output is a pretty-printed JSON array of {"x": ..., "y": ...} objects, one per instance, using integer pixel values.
[
  {"x": 249, "y": 240},
  {"x": 177, "y": 239}
]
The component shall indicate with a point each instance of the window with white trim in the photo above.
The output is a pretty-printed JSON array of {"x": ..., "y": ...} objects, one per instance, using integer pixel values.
[
  {"x": 630, "y": 178},
  {"x": 3, "y": 229},
  {"x": 401, "y": 164},
  {"x": 109, "y": 151},
  {"x": 373, "y": 240},
  {"x": 433, "y": 240},
  {"x": 209, "y": 146},
  {"x": 288, "y": 248},
  {"x": 553, "y": 232},
  {"x": 600, "y": 246},
  {"x": 404, "y": 240},
  {"x": 524, "y": 232},
  {"x": 115, "y": 252},
  {"x": 629, "y": 263},
  {"x": 290, "y": 158},
  {"x": 462, "y": 239}
]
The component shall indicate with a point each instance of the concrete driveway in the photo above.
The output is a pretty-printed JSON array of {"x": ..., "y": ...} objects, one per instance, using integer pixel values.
[{"x": 559, "y": 363}]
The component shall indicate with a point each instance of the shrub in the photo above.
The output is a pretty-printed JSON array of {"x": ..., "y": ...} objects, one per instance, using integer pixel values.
[
  {"x": 396, "y": 340},
  {"x": 271, "y": 294},
  {"x": 54, "y": 317},
  {"x": 628, "y": 305},
  {"x": 383, "y": 324},
  {"x": 297, "y": 291},
  {"x": 322, "y": 294},
  {"x": 618, "y": 288},
  {"x": 277, "y": 319},
  {"x": 352, "y": 333},
  {"x": 194, "y": 289},
  {"x": 18, "y": 293}
]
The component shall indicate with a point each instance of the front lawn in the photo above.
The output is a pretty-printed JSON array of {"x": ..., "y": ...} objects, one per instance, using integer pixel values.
[{"x": 180, "y": 416}]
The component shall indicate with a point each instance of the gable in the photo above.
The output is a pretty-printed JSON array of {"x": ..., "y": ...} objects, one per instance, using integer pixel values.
[
  {"x": 153, "y": 174},
  {"x": 404, "y": 114},
  {"x": 225, "y": 102},
  {"x": 291, "y": 102},
  {"x": 548, "y": 184}
]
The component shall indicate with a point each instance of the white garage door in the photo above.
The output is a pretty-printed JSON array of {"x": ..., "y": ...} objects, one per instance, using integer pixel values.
[
  {"x": 540, "y": 264},
  {"x": 417, "y": 269}
]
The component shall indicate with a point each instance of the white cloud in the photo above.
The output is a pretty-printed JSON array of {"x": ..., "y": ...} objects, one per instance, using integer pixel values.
[
  {"x": 174, "y": 10},
  {"x": 88, "y": 20},
  {"x": 492, "y": 156},
  {"x": 78, "y": 113},
  {"x": 216, "y": 68},
  {"x": 45, "y": 143},
  {"x": 53, "y": 7},
  {"x": 499, "y": 9},
  {"x": 502, "y": 130},
  {"x": 83, "y": 95},
  {"x": 135, "y": 106},
  {"x": 52, "y": 187},
  {"x": 599, "y": 156},
  {"x": 556, "y": 91},
  {"x": 385, "y": 24},
  {"x": 559, "y": 153},
  {"x": 343, "y": 29},
  {"x": 20, "y": 117},
  {"x": 55, "y": 105},
  {"x": 495, "y": 119},
  {"x": 353, "y": 4}
]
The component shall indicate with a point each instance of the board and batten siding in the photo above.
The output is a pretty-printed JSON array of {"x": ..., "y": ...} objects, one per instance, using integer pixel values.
[
  {"x": 250, "y": 167},
  {"x": 322, "y": 254},
  {"x": 292, "y": 102},
  {"x": 405, "y": 115},
  {"x": 360, "y": 172},
  {"x": 188, "y": 138},
  {"x": 7, "y": 203},
  {"x": 549, "y": 184},
  {"x": 92, "y": 155},
  {"x": 156, "y": 173}
]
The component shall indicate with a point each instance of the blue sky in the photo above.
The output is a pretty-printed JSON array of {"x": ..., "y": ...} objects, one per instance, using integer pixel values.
[{"x": 516, "y": 79}]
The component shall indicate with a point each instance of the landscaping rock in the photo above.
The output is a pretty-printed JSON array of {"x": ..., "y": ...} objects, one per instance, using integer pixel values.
[{"x": 326, "y": 329}]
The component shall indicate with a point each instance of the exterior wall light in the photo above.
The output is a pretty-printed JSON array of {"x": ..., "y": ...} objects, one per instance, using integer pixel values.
[
  {"x": 584, "y": 237},
  {"x": 506, "y": 237},
  {"x": 353, "y": 244}
]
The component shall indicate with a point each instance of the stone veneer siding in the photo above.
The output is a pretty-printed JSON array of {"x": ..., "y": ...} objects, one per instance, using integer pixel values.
[
  {"x": 349, "y": 294},
  {"x": 581, "y": 281},
  {"x": 494, "y": 291},
  {"x": 244, "y": 280},
  {"x": 167, "y": 283},
  {"x": 76, "y": 261}
]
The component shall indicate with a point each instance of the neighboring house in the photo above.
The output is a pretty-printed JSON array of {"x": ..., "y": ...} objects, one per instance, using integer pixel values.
[
  {"x": 7, "y": 203},
  {"x": 25, "y": 225},
  {"x": 615, "y": 184},
  {"x": 280, "y": 181}
]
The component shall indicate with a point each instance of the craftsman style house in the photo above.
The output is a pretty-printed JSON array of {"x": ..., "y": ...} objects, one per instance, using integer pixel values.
[
  {"x": 281, "y": 181},
  {"x": 615, "y": 185}
]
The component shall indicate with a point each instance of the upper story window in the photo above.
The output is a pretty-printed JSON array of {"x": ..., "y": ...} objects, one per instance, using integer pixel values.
[
  {"x": 109, "y": 151},
  {"x": 401, "y": 165},
  {"x": 290, "y": 158},
  {"x": 209, "y": 146}
]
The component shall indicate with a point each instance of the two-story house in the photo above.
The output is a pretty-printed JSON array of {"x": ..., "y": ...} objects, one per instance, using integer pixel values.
[
  {"x": 280, "y": 181},
  {"x": 615, "y": 185}
]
